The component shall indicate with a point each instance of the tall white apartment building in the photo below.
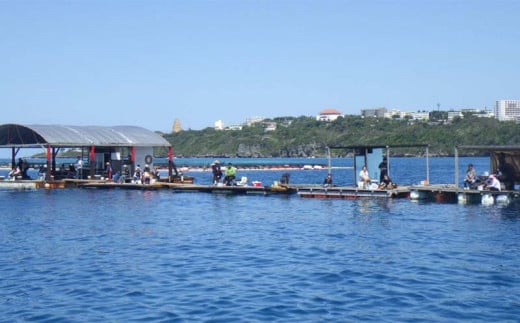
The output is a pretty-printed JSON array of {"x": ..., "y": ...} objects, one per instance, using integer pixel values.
[{"x": 507, "y": 110}]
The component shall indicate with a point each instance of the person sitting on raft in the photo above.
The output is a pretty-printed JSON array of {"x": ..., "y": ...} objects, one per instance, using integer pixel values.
[
  {"x": 493, "y": 184},
  {"x": 327, "y": 181},
  {"x": 364, "y": 177},
  {"x": 470, "y": 178},
  {"x": 15, "y": 172},
  {"x": 147, "y": 175},
  {"x": 386, "y": 183},
  {"x": 230, "y": 175}
]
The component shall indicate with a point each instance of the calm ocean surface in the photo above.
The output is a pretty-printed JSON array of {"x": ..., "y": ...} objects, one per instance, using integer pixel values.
[{"x": 115, "y": 255}]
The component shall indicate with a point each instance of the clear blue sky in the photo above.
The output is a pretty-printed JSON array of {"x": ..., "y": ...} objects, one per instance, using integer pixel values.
[{"x": 148, "y": 62}]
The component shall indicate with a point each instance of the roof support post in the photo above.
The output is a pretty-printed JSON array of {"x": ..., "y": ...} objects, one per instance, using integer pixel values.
[
  {"x": 54, "y": 153},
  {"x": 456, "y": 167},
  {"x": 427, "y": 165},
  {"x": 13, "y": 156},
  {"x": 92, "y": 160},
  {"x": 132, "y": 160},
  {"x": 354, "y": 175},
  {"x": 388, "y": 161},
  {"x": 48, "y": 160},
  {"x": 329, "y": 160},
  {"x": 170, "y": 163}
]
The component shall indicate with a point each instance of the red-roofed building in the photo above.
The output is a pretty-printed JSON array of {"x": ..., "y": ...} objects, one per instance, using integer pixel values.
[{"x": 328, "y": 115}]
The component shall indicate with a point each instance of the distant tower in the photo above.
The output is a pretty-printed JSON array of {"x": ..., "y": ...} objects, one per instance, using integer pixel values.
[
  {"x": 176, "y": 126},
  {"x": 219, "y": 125}
]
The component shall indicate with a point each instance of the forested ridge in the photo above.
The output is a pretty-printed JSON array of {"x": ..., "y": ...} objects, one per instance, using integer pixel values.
[{"x": 304, "y": 136}]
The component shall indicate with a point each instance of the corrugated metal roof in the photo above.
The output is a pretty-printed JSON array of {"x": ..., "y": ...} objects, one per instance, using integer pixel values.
[{"x": 78, "y": 136}]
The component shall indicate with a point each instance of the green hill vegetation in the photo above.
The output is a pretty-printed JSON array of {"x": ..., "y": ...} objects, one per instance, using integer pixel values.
[{"x": 304, "y": 136}]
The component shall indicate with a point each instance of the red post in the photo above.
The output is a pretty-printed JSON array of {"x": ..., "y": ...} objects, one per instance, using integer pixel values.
[
  {"x": 48, "y": 171},
  {"x": 92, "y": 161}
]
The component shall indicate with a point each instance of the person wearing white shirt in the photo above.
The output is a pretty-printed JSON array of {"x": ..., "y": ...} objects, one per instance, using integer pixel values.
[
  {"x": 493, "y": 183},
  {"x": 364, "y": 177},
  {"x": 79, "y": 167}
]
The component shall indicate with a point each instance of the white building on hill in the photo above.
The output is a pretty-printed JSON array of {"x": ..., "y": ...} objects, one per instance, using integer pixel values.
[
  {"x": 328, "y": 115},
  {"x": 507, "y": 110},
  {"x": 219, "y": 125}
]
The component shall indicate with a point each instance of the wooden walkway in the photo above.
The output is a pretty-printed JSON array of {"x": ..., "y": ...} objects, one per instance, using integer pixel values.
[
  {"x": 308, "y": 191},
  {"x": 193, "y": 188},
  {"x": 441, "y": 193},
  {"x": 349, "y": 192}
]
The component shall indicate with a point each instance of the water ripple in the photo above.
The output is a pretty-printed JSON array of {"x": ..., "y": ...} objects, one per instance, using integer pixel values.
[{"x": 123, "y": 256}]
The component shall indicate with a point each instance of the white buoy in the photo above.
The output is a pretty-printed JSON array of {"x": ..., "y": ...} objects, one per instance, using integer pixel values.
[
  {"x": 414, "y": 195},
  {"x": 503, "y": 199},
  {"x": 461, "y": 198},
  {"x": 488, "y": 199}
]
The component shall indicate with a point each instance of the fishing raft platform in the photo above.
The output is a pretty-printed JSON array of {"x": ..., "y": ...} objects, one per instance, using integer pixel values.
[
  {"x": 302, "y": 190},
  {"x": 440, "y": 193},
  {"x": 193, "y": 188},
  {"x": 349, "y": 192},
  {"x": 448, "y": 193}
]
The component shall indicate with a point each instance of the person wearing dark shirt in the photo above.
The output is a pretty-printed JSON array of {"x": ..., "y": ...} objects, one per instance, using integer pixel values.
[
  {"x": 328, "y": 180},
  {"x": 383, "y": 169},
  {"x": 216, "y": 171},
  {"x": 386, "y": 183}
]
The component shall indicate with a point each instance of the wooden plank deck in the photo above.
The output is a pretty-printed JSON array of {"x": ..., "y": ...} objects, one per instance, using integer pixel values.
[
  {"x": 350, "y": 192},
  {"x": 442, "y": 193},
  {"x": 187, "y": 188}
]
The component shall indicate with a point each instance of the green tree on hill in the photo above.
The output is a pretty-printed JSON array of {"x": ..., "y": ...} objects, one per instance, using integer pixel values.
[{"x": 305, "y": 136}]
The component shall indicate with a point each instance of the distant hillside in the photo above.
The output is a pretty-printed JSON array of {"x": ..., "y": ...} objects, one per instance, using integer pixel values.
[{"x": 305, "y": 137}]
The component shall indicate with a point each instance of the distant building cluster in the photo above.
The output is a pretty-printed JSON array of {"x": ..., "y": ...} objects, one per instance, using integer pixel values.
[
  {"x": 423, "y": 115},
  {"x": 268, "y": 125},
  {"x": 375, "y": 112},
  {"x": 505, "y": 110}
]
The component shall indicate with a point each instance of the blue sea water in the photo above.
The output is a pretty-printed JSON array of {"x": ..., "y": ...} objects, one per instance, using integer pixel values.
[{"x": 116, "y": 255}]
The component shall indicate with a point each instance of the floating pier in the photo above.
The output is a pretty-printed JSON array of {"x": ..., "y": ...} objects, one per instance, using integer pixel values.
[
  {"x": 193, "y": 188},
  {"x": 440, "y": 193},
  {"x": 347, "y": 192},
  {"x": 452, "y": 194}
]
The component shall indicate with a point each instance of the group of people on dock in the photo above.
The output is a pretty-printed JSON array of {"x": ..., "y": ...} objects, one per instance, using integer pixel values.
[
  {"x": 365, "y": 182},
  {"x": 140, "y": 176},
  {"x": 504, "y": 177},
  {"x": 229, "y": 173},
  {"x": 385, "y": 182},
  {"x": 20, "y": 170}
]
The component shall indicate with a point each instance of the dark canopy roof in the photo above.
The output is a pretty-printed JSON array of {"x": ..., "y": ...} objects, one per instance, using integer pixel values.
[{"x": 16, "y": 135}]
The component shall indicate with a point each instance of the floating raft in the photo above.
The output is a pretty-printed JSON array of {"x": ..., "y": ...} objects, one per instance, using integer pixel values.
[
  {"x": 177, "y": 187},
  {"x": 262, "y": 190},
  {"x": 447, "y": 193},
  {"x": 441, "y": 193},
  {"x": 125, "y": 186},
  {"x": 25, "y": 185},
  {"x": 350, "y": 192}
]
